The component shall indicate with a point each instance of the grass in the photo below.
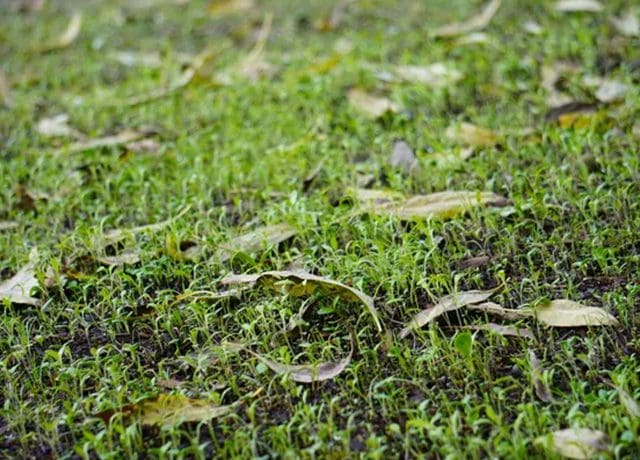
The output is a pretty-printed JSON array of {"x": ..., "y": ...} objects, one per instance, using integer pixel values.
[{"x": 238, "y": 156}]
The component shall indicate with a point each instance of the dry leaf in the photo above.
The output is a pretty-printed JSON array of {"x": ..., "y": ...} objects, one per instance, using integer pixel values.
[
  {"x": 334, "y": 19},
  {"x": 18, "y": 288},
  {"x": 254, "y": 65},
  {"x": 446, "y": 304},
  {"x": 126, "y": 258},
  {"x": 5, "y": 90},
  {"x": 628, "y": 25},
  {"x": 504, "y": 330},
  {"x": 303, "y": 284},
  {"x": 113, "y": 236},
  {"x": 370, "y": 106},
  {"x": 123, "y": 137},
  {"x": 56, "y": 126},
  {"x": 578, "y": 443},
  {"x": 474, "y": 38},
  {"x": 148, "y": 145},
  {"x": 402, "y": 157},
  {"x": 69, "y": 35},
  {"x": 506, "y": 313},
  {"x": 169, "y": 410},
  {"x": 260, "y": 238},
  {"x": 438, "y": 75},
  {"x": 537, "y": 379},
  {"x": 304, "y": 373},
  {"x": 630, "y": 404},
  {"x": 222, "y": 7},
  {"x": 149, "y": 60},
  {"x": 591, "y": 6},
  {"x": 566, "y": 313},
  {"x": 611, "y": 91},
  {"x": 8, "y": 225},
  {"x": 472, "y": 135},
  {"x": 532, "y": 27},
  {"x": 562, "y": 114},
  {"x": 436, "y": 205},
  {"x": 472, "y": 24}
]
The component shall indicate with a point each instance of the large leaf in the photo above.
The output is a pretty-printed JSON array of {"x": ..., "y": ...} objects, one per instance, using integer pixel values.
[
  {"x": 303, "y": 284},
  {"x": 567, "y": 313},
  {"x": 18, "y": 288},
  {"x": 446, "y": 304},
  {"x": 256, "y": 240},
  {"x": 578, "y": 443},
  {"x": 478, "y": 22},
  {"x": 169, "y": 410},
  {"x": 436, "y": 205}
]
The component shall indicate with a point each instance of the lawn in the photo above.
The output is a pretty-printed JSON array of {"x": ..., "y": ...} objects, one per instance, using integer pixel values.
[{"x": 153, "y": 151}]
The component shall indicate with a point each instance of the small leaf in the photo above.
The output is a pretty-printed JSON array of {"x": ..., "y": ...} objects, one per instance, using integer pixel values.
[
  {"x": 537, "y": 379},
  {"x": 472, "y": 135},
  {"x": 578, "y": 443},
  {"x": 566, "y": 313},
  {"x": 68, "y": 36},
  {"x": 628, "y": 25},
  {"x": 169, "y": 410},
  {"x": 504, "y": 330},
  {"x": 630, "y": 404},
  {"x": 437, "y": 75},
  {"x": 591, "y": 6},
  {"x": 126, "y": 258},
  {"x": 302, "y": 284},
  {"x": 446, "y": 304},
  {"x": 472, "y": 24},
  {"x": 370, "y": 106},
  {"x": 18, "y": 288},
  {"x": 402, "y": 157},
  {"x": 259, "y": 239}
]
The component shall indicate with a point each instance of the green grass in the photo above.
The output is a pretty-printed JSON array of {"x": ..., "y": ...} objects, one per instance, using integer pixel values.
[{"x": 238, "y": 156}]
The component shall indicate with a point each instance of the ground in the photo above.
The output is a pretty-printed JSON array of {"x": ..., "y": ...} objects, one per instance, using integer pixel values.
[{"x": 228, "y": 154}]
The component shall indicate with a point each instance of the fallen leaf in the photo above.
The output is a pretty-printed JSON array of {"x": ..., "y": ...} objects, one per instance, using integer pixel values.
[
  {"x": 566, "y": 313},
  {"x": 169, "y": 410},
  {"x": 474, "y": 38},
  {"x": 171, "y": 383},
  {"x": 5, "y": 91},
  {"x": 126, "y": 258},
  {"x": 148, "y": 145},
  {"x": 436, "y": 205},
  {"x": 577, "y": 443},
  {"x": 506, "y": 313},
  {"x": 113, "y": 236},
  {"x": 537, "y": 379},
  {"x": 628, "y": 25},
  {"x": 256, "y": 240},
  {"x": 402, "y": 157},
  {"x": 474, "y": 262},
  {"x": 222, "y": 7},
  {"x": 630, "y": 404},
  {"x": 504, "y": 330},
  {"x": 472, "y": 24},
  {"x": 446, "y": 304},
  {"x": 375, "y": 197},
  {"x": 56, "y": 126},
  {"x": 18, "y": 288},
  {"x": 305, "y": 373},
  {"x": 303, "y": 284},
  {"x": 334, "y": 19},
  {"x": 68, "y": 36},
  {"x": 121, "y": 138},
  {"x": 437, "y": 75},
  {"x": 254, "y": 65},
  {"x": 611, "y": 91},
  {"x": 149, "y": 60},
  {"x": 471, "y": 135},
  {"x": 570, "y": 6},
  {"x": 8, "y": 225},
  {"x": 532, "y": 27},
  {"x": 370, "y": 106},
  {"x": 560, "y": 114}
]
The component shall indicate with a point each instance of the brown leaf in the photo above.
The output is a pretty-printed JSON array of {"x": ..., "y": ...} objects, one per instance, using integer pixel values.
[
  {"x": 577, "y": 443},
  {"x": 256, "y": 240},
  {"x": 402, "y": 157},
  {"x": 446, "y": 304},
  {"x": 591, "y": 6},
  {"x": 68, "y": 36},
  {"x": 474, "y": 262},
  {"x": 472, "y": 135},
  {"x": 504, "y": 330},
  {"x": 370, "y": 106},
  {"x": 567, "y": 313},
  {"x": 121, "y": 138},
  {"x": 126, "y": 258},
  {"x": 303, "y": 284},
  {"x": 472, "y": 24},
  {"x": 556, "y": 114},
  {"x": 627, "y": 25},
  {"x": 169, "y": 410},
  {"x": 537, "y": 379},
  {"x": 18, "y": 288}
]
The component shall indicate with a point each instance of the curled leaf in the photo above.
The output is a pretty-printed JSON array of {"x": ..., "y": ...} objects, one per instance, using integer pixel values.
[
  {"x": 537, "y": 379},
  {"x": 17, "y": 289},
  {"x": 578, "y": 443},
  {"x": 446, "y": 304},
  {"x": 370, "y": 106},
  {"x": 256, "y": 240},
  {"x": 475, "y": 23},
  {"x": 303, "y": 284},
  {"x": 572, "y": 6},
  {"x": 567, "y": 313}
]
